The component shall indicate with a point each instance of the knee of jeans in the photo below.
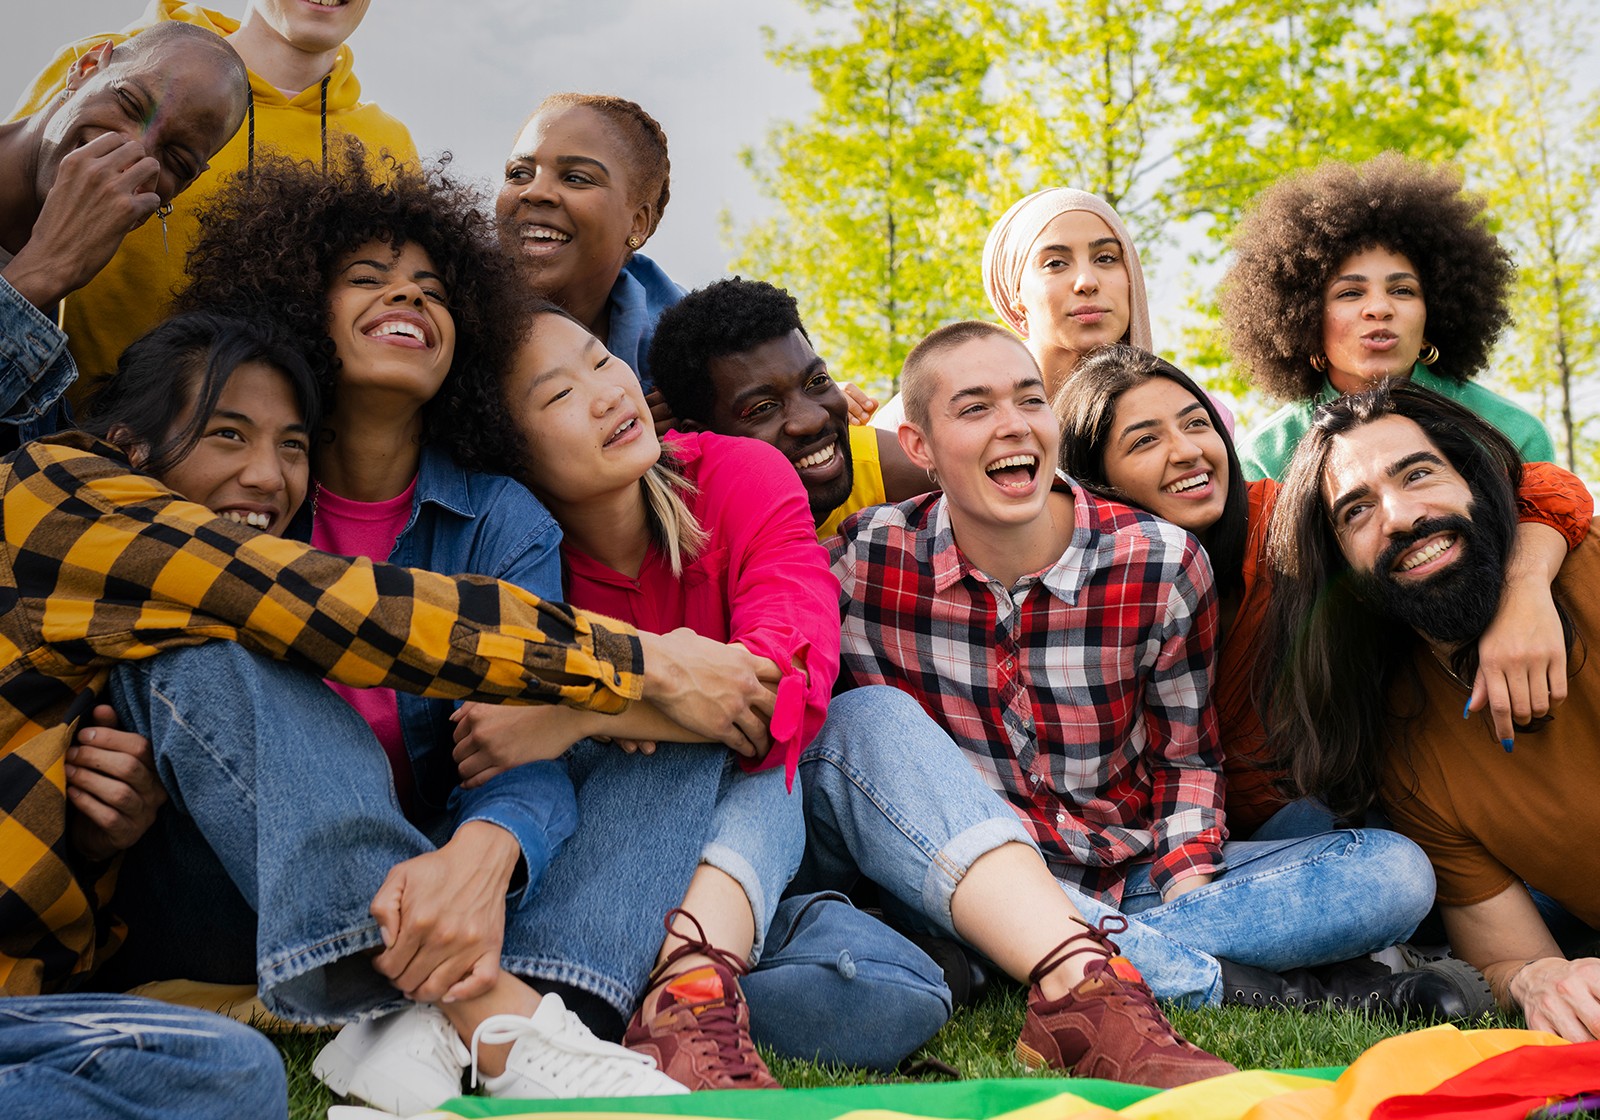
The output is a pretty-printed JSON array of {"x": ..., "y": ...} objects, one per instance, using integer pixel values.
[
  {"x": 868, "y": 725},
  {"x": 1405, "y": 875}
]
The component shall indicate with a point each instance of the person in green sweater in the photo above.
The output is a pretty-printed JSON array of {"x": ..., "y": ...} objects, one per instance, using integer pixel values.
[{"x": 1348, "y": 274}]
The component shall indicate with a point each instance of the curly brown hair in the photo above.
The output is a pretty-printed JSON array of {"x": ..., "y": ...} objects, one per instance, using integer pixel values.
[
  {"x": 1302, "y": 228},
  {"x": 270, "y": 242}
]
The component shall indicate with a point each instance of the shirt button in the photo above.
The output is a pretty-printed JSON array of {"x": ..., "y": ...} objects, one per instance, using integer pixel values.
[
  {"x": 1006, "y": 664},
  {"x": 1061, "y": 818},
  {"x": 1034, "y": 778}
]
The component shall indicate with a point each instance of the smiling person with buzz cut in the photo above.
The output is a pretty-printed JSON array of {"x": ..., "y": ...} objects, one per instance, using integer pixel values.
[
  {"x": 1030, "y": 747},
  {"x": 733, "y": 358}
]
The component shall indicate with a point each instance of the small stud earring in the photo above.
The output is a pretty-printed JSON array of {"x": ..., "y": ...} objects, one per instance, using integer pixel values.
[{"x": 635, "y": 241}]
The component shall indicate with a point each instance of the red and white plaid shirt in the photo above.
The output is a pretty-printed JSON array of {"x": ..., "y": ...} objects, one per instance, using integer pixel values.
[{"x": 1082, "y": 694}]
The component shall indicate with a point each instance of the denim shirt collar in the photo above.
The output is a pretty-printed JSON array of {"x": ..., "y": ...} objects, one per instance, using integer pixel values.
[{"x": 441, "y": 482}]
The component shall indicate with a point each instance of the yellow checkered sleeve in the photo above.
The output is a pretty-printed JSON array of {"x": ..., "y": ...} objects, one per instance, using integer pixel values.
[{"x": 101, "y": 565}]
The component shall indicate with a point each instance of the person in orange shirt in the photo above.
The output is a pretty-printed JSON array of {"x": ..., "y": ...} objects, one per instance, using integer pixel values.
[{"x": 1396, "y": 521}]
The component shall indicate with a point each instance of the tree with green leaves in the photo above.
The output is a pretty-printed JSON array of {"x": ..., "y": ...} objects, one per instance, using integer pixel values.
[
  {"x": 936, "y": 116},
  {"x": 881, "y": 194},
  {"x": 1536, "y": 157}
]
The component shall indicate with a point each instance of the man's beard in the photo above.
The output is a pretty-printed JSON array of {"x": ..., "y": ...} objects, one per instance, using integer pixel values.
[{"x": 1458, "y": 603}]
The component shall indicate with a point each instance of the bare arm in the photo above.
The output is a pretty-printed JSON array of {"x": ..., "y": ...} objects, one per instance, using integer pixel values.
[
  {"x": 1522, "y": 657},
  {"x": 1505, "y": 938}
]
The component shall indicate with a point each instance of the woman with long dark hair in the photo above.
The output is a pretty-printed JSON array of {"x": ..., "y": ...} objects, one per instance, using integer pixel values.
[{"x": 1138, "y": 429}]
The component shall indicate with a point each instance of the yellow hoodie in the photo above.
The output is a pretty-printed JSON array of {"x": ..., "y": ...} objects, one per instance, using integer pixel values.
[{"x": 134, "y": 292}]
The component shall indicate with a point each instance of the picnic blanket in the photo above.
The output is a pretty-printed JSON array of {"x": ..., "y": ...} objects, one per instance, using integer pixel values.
[{"x": 1441, "y": 1073}]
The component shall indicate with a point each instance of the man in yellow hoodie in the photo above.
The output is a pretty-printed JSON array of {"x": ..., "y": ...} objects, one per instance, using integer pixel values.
[{"x": 304, "y": 94}]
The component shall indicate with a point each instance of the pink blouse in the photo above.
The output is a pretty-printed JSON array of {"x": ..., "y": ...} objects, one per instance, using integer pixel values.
[{"x": 762, "y": 581}]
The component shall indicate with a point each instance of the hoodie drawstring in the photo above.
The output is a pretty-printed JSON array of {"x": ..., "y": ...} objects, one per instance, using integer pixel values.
[{"x": 326, "y": 78}]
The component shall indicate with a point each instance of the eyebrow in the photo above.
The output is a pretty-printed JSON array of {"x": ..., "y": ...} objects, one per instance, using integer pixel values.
[
  {"x": 246, "y": 418},
  {"x": 1095, "y": 244},
  {"x": 1140, "y": 425},
  {"x": 976, "y": 391},
  {"x": 767, "y": 388},
  {"x": 420, "y": 274},
  {"x": 562, "y": 161},
  {"x": 1391, "y": 278},
  {"x": 556, "y": 371},
  {"x": 1401, "y": 464}
]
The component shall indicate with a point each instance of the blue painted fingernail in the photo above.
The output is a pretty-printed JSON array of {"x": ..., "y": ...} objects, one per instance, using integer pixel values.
[
  {"x": 1466, "y": 713},
  {"x": 1506, "y": 743}
]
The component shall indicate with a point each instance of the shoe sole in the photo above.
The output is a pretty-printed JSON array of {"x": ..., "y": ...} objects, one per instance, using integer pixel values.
[{"x": 1474, "y": 989}]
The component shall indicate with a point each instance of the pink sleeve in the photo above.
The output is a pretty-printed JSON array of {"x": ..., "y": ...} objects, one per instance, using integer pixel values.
[{"x": 784, "y": 600}]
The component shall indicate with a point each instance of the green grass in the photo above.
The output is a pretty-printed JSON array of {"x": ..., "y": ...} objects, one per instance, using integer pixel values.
[{"x": 977, "y": 1042}]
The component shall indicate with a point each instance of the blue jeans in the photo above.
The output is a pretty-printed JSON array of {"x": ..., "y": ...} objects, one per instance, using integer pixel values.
[
  {"x": 282, "y": 826},
  {"x": 80, "y": 1056},
  {"x": 645, "y": 822},
  {"x": 889, "y": 794}
]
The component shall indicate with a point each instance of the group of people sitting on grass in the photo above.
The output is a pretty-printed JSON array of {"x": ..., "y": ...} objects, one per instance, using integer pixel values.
[{"x": 438, "y": 620}]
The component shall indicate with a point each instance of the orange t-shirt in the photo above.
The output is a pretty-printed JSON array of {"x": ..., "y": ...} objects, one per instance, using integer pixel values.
[
  {"x": 1488, "y": 819},
  {"x": 1549, "y": 496}
]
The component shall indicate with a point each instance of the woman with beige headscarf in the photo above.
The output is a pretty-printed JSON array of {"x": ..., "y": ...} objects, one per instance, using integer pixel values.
[{"x": 1062, "y": 271}]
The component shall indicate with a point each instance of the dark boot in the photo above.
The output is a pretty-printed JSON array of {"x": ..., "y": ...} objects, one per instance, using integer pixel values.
[{"x": 1439, "y": 990}]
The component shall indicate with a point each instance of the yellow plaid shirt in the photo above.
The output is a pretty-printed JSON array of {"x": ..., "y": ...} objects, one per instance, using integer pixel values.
[{"x": 101, "y": 565}]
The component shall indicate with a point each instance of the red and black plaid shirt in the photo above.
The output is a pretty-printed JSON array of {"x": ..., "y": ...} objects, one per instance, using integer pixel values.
[{"x": 1082, "y": 694}]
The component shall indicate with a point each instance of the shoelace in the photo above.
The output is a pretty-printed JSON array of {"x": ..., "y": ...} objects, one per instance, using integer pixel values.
[
  {"x": 718, "y": 1024},
  {"x": 1098, "y": 944},
  {"x": 572, "y": 1055}
]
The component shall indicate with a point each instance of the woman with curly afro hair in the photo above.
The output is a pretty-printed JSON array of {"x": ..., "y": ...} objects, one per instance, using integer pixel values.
[
  {"x": 1347, "y": 274},
  {"x": 391, "y": 280}
]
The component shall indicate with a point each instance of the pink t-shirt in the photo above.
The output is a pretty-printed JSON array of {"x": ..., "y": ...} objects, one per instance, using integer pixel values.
[
  {"x": 762, "y": 580},
  {"x": 349, "y": 528}
]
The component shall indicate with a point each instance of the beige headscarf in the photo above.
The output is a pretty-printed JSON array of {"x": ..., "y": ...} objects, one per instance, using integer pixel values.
[{"x": 1005, "y": 255}]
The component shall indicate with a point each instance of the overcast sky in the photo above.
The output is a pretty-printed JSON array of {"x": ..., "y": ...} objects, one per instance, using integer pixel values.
[{"x": 463, "y": 75}]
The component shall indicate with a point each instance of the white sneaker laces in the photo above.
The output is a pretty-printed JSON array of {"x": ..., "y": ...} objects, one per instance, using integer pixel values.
[{"x": 570, "y": 1061}]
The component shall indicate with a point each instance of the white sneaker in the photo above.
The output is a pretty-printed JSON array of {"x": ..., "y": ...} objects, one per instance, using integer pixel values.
[
  {"x": 554, "y": 1055},
  {"x": 408, "y": 1062}
]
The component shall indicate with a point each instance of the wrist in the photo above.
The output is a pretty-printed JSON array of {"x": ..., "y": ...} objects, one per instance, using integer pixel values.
[
  {"x": 486, "y": 845},
  {"x": 38, "y": 282}
]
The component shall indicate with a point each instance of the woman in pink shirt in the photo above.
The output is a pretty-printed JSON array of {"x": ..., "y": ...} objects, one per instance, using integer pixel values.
[{"x": 715, "y": 534}]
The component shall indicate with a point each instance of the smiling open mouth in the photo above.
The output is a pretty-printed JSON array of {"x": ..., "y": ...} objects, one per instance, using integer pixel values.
[
  {"x": 1014, "y": 471},
  {"x": 1194, "y": 482},
  {"x": 1428, "y": 552},
  {"x": 252, "y": 519},
  {"x": 818, "y": 458},
  {"x": 622, "y": 429}
]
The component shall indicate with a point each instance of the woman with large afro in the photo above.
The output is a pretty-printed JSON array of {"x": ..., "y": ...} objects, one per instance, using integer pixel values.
[
  {"x": 1348, "y": 274},
  {"x": 392, "y": 280}
]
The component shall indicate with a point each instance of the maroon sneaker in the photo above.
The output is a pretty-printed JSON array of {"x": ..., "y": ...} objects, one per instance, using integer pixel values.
[
  {"x": 1109, "y": 1025},
  {"x": 697, "y": 1027}
]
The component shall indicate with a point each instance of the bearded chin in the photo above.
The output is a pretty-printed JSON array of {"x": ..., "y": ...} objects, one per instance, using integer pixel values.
[{"x": 1458, "y": 603}]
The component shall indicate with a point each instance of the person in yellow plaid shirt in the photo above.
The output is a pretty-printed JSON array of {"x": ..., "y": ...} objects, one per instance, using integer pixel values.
[{"x": 103, "y": 564}]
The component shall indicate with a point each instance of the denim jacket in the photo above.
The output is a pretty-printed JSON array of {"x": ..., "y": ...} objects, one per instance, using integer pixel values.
[
  {"x": 466, "y": 522},
  {"x": 639, "y": 296},
  {"x": 35, "y": 370}
]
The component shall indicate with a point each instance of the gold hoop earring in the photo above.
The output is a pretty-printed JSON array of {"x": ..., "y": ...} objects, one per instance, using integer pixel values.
[
  {"x": 1319, "y": 362},
  {"x": 1430, "y": 353},
  {"x": 635, "y": 241}
]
